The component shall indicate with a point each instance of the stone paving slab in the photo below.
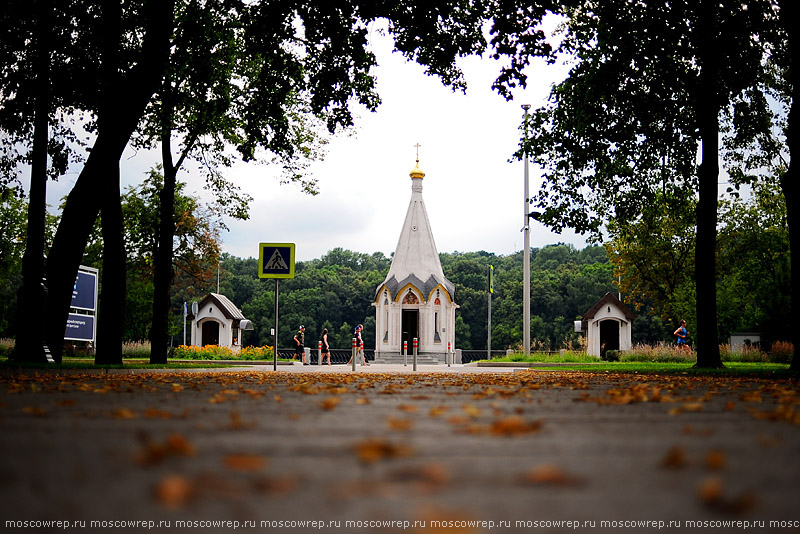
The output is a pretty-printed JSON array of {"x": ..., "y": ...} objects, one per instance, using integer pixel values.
[{"x": 458, "y": 449}]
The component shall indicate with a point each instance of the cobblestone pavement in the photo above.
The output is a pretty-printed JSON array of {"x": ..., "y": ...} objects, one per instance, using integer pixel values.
[{"x": 459, "y": 449}]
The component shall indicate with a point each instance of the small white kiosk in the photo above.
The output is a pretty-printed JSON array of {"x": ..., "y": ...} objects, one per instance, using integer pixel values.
[
  {"x": 218, "y": 322},
  {"x": 608, "y": 326}
]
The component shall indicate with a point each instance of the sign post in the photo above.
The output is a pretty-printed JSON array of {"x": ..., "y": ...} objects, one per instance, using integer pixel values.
[
  {"x": 276, "y": 260},
  {"x": 185, "y": 313},
  {"x": 489, "y": 326},
  {"x": 81, "y": 326}
]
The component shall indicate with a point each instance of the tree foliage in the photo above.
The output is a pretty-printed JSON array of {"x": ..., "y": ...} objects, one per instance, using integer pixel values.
[
  {"x": 309, "y": 52},
  {"x": 654, "y": 259},
  {"x": 650, "y": 84}
]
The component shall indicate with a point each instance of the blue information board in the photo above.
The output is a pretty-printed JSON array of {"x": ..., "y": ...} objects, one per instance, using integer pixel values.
[
  {"x": 276, "y": 260},
  {"x": 79, "y": 327},
  {"x": 84, "y": 292}
]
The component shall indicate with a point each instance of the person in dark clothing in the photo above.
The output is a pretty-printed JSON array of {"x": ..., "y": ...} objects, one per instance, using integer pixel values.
[
  {"x": 326, "y": 349},
  {"x": 299, "y": 344}
]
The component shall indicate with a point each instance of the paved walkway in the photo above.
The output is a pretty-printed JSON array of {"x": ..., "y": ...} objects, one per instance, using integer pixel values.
[{"x": 446, "y": 449}]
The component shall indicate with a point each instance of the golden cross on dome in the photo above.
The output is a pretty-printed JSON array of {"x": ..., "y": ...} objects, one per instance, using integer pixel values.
[{"x": 417, "y": 147}]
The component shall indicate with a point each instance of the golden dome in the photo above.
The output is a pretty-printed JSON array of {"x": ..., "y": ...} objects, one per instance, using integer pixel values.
[{"x": 416, "y": 172}]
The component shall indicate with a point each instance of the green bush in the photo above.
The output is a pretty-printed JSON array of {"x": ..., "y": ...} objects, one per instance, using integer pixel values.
[
  {"x": 546, "y": 357},
  {"x": 660, "y": 353},
  {"x": 781, "y": 352},
  {"x": 611, "y": 356},
  {"x": 747, "y": 354},
  {"x": 136, "y": 349},
  {"x": 215, "y": 352}
]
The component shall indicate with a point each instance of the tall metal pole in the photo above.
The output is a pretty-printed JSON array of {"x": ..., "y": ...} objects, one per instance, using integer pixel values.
[
  {"x": 526, "y": 254},
  {"x": 275, "y": 349},
  {"x": 184, "y": 323},
  {"x": 489, "y": 321}
]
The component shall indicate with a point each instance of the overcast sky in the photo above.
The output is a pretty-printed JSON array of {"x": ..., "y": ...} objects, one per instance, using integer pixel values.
[{"x": 474, "y": 196}]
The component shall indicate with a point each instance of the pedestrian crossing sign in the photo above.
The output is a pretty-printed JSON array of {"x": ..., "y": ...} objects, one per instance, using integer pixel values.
[{"x": 276, "y": 260}]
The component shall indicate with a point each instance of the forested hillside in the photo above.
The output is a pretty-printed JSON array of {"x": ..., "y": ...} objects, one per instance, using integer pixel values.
[{"x": 336, "y": 292}]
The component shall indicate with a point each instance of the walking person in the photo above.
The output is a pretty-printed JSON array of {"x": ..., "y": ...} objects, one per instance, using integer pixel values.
[
  {"x": 326, "y": 350},
  {"x": 299, "y": 344},
  {"x": 359, "y": 346},
  {"x": 683, "y": 337}
]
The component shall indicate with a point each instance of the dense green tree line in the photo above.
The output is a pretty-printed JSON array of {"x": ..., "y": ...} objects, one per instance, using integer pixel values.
[{"x": 337, "y": 290}]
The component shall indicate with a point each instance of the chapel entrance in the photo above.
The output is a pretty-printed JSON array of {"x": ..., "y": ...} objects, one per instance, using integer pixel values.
[
  {"x": 609, "y": 337},
  {"x": 410, "y": 328},
  {"x": 210, "y": 333}
]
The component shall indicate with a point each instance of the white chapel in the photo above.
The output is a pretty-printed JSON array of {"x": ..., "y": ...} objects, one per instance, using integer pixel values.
[{"x": 415, "y": 300}]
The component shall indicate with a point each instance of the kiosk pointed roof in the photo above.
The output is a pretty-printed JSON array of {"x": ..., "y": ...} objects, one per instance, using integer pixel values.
[{"x": 416, "y": 260}]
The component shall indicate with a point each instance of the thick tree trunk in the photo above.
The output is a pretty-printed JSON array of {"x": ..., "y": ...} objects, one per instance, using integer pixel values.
[
  {"x": 112, "y": 298},
  {"x": 788, "y": 13},
  {"x": 163, "y": 260},
  {"x": 705, "y": 253},
  {"x": 81, "y": 208},
  {"x": 112, "y": 294},
  {"x": 30, "y": 345}
]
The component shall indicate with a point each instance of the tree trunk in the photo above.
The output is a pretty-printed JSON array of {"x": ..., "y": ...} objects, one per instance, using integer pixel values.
[
  {"x": 788, "y": 13},
  {"x": 705, "y": 252},
  {"x": 112, "y": 295},
  {"x": 81, "y": 208},
  {"x": 30, "y": 345},
  {"x": 112, "y": 298},
  {"x": 166, "y": 231}
]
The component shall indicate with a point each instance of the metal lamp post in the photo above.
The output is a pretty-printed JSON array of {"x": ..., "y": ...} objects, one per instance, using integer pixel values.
[{"x": 526, "y": 254}]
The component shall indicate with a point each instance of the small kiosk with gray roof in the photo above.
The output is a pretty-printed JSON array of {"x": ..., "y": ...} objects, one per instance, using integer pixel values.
[
  {"x": 218, "y": 322},
  {"x": 608, "y": 326}
]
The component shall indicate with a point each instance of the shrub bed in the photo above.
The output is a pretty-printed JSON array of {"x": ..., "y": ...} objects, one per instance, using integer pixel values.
[{"x": 215, "y": 352}]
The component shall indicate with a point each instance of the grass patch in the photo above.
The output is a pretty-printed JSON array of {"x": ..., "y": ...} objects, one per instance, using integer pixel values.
[
  {"x": 547, "y": 357},
  {"x": 731, "y": 369}
]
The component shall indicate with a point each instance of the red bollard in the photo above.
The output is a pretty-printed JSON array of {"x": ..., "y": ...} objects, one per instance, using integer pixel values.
[
  {"x": 319, "y": 352},
  {"x": 405, "y": 353}
]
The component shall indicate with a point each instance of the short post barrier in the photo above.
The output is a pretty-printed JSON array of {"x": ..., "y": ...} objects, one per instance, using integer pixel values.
[
  {"x": 354, "y": 353},
  {"x": 415, "y": 353},
  {"x": 405, "y": 353},
  {"x": 449, "y": 355},
  {"x": 319, "y": 353}
]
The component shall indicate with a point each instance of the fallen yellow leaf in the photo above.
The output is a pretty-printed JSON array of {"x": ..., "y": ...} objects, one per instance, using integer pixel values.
[
  {"x": 174, "y": 491},
  {"x": 245, "y": 462},
  {"x": 371, "y": 450}
]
